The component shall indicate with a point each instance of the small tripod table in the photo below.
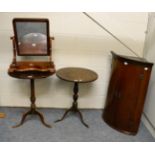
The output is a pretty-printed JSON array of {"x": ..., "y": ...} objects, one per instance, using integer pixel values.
[{"x": 76, "y": 75}]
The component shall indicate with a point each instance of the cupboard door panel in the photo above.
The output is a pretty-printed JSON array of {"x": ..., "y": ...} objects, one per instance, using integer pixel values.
[{"x": 127, "y": 96}]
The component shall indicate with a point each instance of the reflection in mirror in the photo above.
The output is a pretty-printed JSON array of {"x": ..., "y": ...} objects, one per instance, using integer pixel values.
[{"x": 32, "y": 38}]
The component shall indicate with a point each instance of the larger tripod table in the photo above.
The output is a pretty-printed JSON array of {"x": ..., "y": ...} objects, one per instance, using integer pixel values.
[
  {"x": 32, "y": 76},
  {"x": 76, "y": 75}
]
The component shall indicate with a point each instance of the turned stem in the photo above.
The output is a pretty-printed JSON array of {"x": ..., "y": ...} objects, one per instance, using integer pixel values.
[
  {"x": 75, "y": 95},
  {"x": 32, "y": 98}
]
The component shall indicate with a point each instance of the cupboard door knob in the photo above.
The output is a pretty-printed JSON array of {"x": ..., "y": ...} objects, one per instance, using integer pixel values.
[
  {"x": 125, "y": 63},
  {"x": 145, "y": 68}
]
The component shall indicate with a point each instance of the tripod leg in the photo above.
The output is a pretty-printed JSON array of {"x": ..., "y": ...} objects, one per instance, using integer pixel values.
[
  {"x": 81, "y": 118},
  {"x": 42, "y": 119},
  {"x": 63, "y": 117},
  {"x": 23, "y": 119}
]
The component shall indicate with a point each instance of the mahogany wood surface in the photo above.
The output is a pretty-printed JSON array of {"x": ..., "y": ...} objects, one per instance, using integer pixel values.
[
  {"x": 126, "y": 93},
  {"x": 31, "y": 69},
  {"x": 77, "y": 74}
]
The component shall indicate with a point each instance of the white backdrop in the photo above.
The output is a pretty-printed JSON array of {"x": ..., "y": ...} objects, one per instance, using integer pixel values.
[{"x": 78, "y": 42}]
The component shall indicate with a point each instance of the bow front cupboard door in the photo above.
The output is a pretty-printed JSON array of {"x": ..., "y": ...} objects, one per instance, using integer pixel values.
[{"x": 126, "y": 93}]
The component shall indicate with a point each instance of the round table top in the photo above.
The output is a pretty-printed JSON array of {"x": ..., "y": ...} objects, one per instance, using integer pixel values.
[{"x": 76, "y": 74}]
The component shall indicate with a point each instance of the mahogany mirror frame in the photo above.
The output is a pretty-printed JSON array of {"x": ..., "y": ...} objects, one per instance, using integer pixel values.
[{"x": 33, "y": 20}]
